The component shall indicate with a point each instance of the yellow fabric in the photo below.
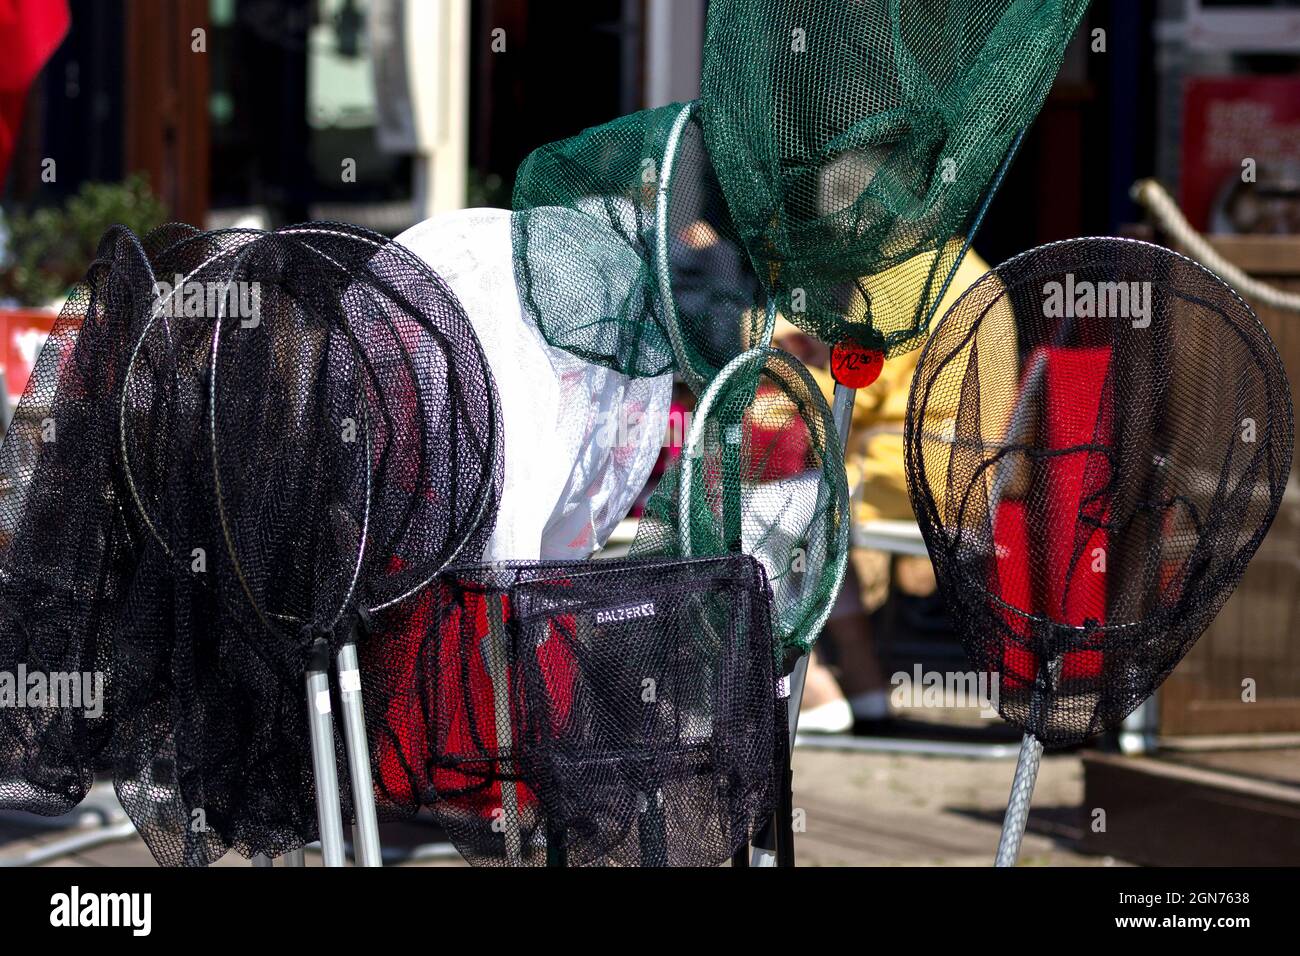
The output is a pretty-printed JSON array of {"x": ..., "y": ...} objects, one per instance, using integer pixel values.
[{"x": 874, "y": 457}]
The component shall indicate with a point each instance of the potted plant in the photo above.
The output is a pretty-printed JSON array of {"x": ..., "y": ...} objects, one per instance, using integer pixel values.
[{"x": 46, "y": 251}]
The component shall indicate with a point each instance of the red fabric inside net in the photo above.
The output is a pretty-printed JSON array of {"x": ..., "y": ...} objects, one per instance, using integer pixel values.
[
  {"x": 1078, "y": 413},
  {"x": 463, "y": 698}
]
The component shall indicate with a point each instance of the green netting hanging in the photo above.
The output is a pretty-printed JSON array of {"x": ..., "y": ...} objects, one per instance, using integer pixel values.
[
  {"x": 625, "y": 253},
  {"x": 761, "y": 473},
  {"x": 858, "y": 142}
]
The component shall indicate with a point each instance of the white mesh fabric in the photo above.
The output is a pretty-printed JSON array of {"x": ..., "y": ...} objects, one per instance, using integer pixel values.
[
  {"x": 470, "y": 249},
  {"x": 580, "y": 439}
]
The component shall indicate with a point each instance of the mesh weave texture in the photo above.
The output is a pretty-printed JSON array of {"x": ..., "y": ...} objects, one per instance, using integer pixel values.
[
  {"x": 69, "y": 544},
  {"x": 762, "y": 473},
  {"x": 613, "y": 712},
  {"x": 298, "y": 429},
  {"x": 580, "y": 438},
  {"x": 625, "y": 251},
  {"x": 860, "y": 139},
  {"x": 1098, "y": 437},
  {"x": 328, "y": 457}
]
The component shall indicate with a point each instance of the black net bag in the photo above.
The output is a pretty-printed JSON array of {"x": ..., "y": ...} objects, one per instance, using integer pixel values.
[
  {"x": 69, "y": 545},
  {"x": 1098, "y": 438},
  {"x": 308, "y": 433},
  {"x": 625, "y": 251},
  {"x": 394, "y": 366},
  {"x": 858, "y": 143},
  {"x": 591, "y": 713}
]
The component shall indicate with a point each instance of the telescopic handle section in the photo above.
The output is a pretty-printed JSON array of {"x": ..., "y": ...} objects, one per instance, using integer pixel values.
[
  {"x": 1022, "y": 792},
  {"x": 320, "y": 722},
  {"x": 366, "y": 828},
  {"x": 842, "y": 413},
  {"x": 1031, "y": 755}
]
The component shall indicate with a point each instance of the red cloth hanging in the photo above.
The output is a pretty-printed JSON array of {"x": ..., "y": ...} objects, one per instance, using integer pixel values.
[
  {"x": 460, "y": 702},
  {"x": 1078, "y": 414},
  {"x": 30, "y": 31},
  {"x": 1011, "y": 544}
]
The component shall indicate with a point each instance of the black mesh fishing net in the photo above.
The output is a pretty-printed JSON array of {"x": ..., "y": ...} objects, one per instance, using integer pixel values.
[
  {"x": 1098, "y": 437},
  {"x": 301, "y": 430},
  {"x": 862, "y": 139},
  {"x": 69, "y": 544},
  {"x": 590, "y": 713}
]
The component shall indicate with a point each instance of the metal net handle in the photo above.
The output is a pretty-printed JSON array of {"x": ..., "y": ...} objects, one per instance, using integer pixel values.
[
  {"x": 1031, "y": 756},
  {"x": 1022, "y": 792}
]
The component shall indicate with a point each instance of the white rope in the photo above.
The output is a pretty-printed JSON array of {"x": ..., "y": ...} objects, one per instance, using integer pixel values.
[{"x": 1153, "y": 197}]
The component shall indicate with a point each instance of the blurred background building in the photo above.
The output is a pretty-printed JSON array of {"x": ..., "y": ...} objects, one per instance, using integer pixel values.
[{"x": 438, "y": 100}]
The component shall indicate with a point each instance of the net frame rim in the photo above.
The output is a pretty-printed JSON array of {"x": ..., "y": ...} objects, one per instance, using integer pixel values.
[
  {"x": 1269, "y": 362},
  {"x": 663, "y": 274},
  {"x": 696, "y": 380},
  {"x": 359, "y": 235},
  {"x": 832, "y": 452}
]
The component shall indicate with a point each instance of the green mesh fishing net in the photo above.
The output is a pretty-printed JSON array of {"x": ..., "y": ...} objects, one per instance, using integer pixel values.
[
  {"x": 833, "y": 171},
  {"x": 625, "y": 252},
  {"x": 761, "y": 473},
  {"x": 858, "y": 142}
]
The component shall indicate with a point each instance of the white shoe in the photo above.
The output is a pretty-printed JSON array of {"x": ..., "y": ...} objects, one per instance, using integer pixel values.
[{"x": 835, "y": 717}]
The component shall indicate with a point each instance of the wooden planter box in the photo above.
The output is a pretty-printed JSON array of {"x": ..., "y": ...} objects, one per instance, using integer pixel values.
[{"x": 1161, "y": 812}]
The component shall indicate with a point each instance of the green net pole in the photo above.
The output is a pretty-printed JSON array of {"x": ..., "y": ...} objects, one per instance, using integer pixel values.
[
  {"x": 842, "y": 412},
  {"x": 765, "y": 853}
]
